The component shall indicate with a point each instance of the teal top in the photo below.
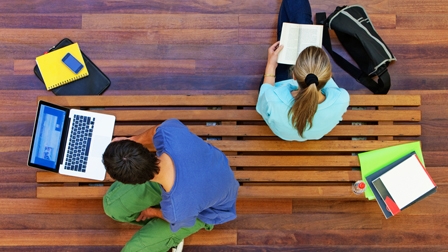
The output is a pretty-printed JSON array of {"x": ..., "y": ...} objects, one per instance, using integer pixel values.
[{"x": 274, "y": 103}]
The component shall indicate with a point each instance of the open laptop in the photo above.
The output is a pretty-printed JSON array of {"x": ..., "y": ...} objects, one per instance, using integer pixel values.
[{"x": 70, "y": 141}]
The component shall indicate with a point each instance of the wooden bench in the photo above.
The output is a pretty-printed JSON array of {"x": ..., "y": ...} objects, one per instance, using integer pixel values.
[{"x": 266, "y": 166}]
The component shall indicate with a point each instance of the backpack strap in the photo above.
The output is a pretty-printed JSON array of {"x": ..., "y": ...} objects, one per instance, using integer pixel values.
[{"x": 383, "y": 85}]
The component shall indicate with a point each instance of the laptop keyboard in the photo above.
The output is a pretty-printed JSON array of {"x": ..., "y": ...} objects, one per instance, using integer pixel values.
[{"x": 79, "y": 143}]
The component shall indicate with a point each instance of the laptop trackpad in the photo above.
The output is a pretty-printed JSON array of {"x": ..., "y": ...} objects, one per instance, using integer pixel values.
[{"x": 99, "y": 145}]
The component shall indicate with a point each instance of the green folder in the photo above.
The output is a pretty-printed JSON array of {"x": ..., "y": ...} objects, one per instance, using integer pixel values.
[{"x": 375, "y": 160}]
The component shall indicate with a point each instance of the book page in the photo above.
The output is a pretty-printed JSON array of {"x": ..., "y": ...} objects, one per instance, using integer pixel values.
[
  {"x": 407, "y": 181},
  {"x": 290, "y": 41},
  {"x": 310, "y": 35},
  {"x": 295, "y": 38}
]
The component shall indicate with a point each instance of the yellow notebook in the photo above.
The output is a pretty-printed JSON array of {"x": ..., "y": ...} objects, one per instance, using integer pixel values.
[{"x": 54, "y": 72}]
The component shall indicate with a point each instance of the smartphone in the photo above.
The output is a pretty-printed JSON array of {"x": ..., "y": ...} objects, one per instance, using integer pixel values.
[{"x": 72, "y": 63}]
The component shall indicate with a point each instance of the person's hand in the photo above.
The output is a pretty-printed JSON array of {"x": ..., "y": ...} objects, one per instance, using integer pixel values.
[
  {"x": 116, "y": 139},
  {"x": 273, "y": 52},
  {"x": 149, "y": 213}
]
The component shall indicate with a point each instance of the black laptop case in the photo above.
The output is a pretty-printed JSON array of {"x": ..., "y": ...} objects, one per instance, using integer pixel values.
[{"x": 94, "y": 84}]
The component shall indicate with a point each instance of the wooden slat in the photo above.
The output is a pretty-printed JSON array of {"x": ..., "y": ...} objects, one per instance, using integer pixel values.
[
  {"x": 243, "y": 176},
  {"x": 153, "y": 100},
  {"x": 51, "y": 177},
  {"x": 14, "y": 143},
  {"x": 385, "y": 100},
  {"x": 152, "y": 36},
  {"x": 39, "y": 21},
  {"x": 135, "y": 67},
  {"x": 263, "y": 130},
  {"x": 297, "y": 192},
  {"x": 165, "y": 7},
  {"x": 419, "y": 21},
  {"x": 95, "y": 206},
  {"x": 268, "y": 21},
  {"x": 189, "y": 115},
  {"x": 17, "y": 174},
  {"x": 102, "y": 237},
  {"x": 264, "y": 206},
  {"x": 273, "y": 245},
  {"x": 216, "y": 237},
  {"x": 439, "y": 174},
  {"x": 161, "y": 21},
  {"x": 377, "y": 115},
  {"x": 364, "y": 239},
  {"x": 252, "y": 115},
  {"x": 71, "y": 192},
  {"x": 304, "y": 221},
  {"x": 297, "y": 176},
  {"x": 294, "y": 192},
  {"x": 51, "y": 206},
  {"x": 56, "y": 178},
  {"x": 376, "y": 130},
  {"x": 59, "y": 221},
  {"x": 308, "y": 146},
  {"x": 17, "y": 190},
  {"x": 214, "y": 100},
  {"x": 272, "y": 161}
]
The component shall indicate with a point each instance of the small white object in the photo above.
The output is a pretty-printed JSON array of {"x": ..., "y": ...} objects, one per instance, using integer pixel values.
[
  {"x": 359, "y": 187},
  {"x": 179, "y": 247}
]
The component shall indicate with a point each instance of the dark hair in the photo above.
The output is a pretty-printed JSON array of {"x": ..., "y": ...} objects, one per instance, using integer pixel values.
[{"x": 130, "y": 162}]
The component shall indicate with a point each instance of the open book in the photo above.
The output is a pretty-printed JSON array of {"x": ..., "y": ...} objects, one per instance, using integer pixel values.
[{"x": 295, "y": 38}]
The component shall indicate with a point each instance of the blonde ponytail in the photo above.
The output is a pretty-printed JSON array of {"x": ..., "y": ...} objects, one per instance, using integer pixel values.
[{"x": 312, "y": 71}]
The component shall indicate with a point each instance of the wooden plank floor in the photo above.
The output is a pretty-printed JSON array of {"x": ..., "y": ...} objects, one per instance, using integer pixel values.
[{"x": 212, "y": 46}]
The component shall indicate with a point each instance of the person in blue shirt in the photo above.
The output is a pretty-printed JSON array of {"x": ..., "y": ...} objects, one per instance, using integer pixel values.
[
  {"x": 308, "y": 105},
  {"x": 187, "y": 185}
]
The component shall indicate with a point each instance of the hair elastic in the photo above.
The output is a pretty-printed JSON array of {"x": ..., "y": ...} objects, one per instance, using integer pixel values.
[{"x": 311, "y": 79}]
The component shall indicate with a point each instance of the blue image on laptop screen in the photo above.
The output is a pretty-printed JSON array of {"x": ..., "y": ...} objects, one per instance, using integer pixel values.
[{"x": 48, "y": 136}]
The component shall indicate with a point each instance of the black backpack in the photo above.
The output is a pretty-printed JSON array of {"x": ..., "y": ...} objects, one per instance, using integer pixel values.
[{"x": 358, "y": 37}]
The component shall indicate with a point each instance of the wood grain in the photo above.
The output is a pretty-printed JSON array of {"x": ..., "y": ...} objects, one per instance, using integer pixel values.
[{"x": 218, "y": 47}]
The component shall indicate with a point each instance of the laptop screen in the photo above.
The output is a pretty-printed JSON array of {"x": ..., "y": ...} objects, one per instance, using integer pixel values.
[{"x": 47, "y": 136}]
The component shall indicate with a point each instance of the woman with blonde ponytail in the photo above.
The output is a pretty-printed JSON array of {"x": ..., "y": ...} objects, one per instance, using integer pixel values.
[{"x": 308, "y": 105}]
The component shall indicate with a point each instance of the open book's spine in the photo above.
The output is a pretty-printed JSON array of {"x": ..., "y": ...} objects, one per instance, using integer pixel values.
[{"x": 77, "y": 77}]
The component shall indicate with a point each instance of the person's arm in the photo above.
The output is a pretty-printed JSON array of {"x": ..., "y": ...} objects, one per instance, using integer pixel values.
[
  {"x": 271, "y": 65},
  {"x": 144, "y": 138},
  {"x": 150, "y": 213}
]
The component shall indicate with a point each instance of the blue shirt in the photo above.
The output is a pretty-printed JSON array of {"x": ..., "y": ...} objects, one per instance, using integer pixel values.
[
  {"x": 274, "y": 103},
  {"x": 204, "y": 187}
]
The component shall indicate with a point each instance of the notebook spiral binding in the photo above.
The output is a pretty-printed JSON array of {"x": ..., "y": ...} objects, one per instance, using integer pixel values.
[{"x": 80, "y": 76}]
